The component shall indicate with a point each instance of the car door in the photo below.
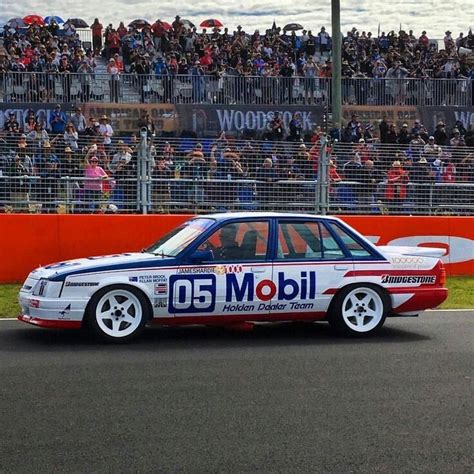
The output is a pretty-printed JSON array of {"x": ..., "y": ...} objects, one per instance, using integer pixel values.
[
  {"x": 237, "y": 281},
  {"x": 309, "y": 265}
]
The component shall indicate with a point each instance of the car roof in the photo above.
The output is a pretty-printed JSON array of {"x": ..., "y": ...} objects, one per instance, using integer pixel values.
[{"x": 222, "y": 216}]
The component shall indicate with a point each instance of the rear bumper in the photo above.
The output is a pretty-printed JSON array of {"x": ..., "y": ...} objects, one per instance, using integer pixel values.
[
  {"x": 421, "y": 299},
  {"x": 50, "y": 323}
]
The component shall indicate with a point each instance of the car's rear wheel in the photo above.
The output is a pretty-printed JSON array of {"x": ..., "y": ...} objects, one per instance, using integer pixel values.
[
  {"x": 117, "y": 313},
  {"x": 359, "y": 310}
]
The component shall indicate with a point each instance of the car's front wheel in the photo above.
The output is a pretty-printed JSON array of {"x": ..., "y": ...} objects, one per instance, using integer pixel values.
[
  {"x": 117, "y": 313},
  {"x": 359, "y": 310}
]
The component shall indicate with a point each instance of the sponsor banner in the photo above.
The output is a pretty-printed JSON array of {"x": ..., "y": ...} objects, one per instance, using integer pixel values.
[
  {"x": 430, "y": 116},
  {"x": 213, "y": 119},
  {"x": 374, "y": 113},
  {"x": 124, "y": 117}
]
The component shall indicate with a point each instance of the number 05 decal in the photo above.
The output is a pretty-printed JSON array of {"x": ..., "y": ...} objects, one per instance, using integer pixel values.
[{"x": 192, "y": 294}]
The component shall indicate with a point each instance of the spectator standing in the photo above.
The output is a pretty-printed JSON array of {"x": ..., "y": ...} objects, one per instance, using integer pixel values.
[
  {"x": 106, "y": 131},
  {"x": 440, "y": 135},
  {"x": 396, "y": 189},
  {"x": 277, "y": 127},
  {"x": 79, "y": 121},
  {"x": 296, "y": 127},
  {"x": 71, "y": 137},
  {"x": 94, "y": 176},
  {"x": 383, "y": 129},
  {"x": 57, "y": 121},
  {"x": 114, "y": 81}
]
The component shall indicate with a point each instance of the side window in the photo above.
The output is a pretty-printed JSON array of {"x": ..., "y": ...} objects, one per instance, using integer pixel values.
[
  {"x": 239, "y": 241},
  {"x": 352, "y": 245},
  {"x": 306, "y": 240}
]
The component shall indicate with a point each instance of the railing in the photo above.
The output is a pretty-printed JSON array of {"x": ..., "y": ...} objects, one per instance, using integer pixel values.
[
  {"x": 170, "y": 175},
  {"x": 230, "y": 89}
]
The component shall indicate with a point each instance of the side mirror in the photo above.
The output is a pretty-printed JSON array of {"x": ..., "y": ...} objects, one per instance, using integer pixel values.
[{"x": 200, "y": 256}]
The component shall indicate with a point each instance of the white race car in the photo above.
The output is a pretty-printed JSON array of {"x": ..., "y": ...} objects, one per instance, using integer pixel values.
[{"x": 235, "y": 269}]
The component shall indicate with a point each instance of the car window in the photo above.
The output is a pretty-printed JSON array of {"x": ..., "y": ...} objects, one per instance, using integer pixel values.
[
  {"x": 239, "y": 241},
  {"x": 306, "y": 240},
  {"x": 355, "y": 248}
]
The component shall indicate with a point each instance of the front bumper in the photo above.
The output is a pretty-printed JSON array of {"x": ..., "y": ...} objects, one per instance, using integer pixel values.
[
  {"x": 51, "y": 312},
  {"x": 50, "y": 323}
]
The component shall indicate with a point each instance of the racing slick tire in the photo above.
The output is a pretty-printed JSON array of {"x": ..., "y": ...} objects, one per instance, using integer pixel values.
[
  {"x": 117, "y": 313},
  {"x": 359, "y": 310}
]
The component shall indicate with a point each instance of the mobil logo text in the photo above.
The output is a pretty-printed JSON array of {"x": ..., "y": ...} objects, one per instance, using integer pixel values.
[{"x": 283, "y": 288}]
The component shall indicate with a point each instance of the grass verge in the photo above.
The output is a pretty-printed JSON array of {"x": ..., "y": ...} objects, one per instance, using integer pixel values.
[{"x": 461, "y": 296}]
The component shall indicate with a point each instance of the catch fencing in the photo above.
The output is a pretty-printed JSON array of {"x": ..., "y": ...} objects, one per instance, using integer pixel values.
[
  {"x": 230, "y": 89},
  {"x": 185, "y": 175}
]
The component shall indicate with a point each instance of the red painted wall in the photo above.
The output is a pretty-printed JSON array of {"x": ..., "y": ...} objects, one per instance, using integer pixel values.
[{"x": 27, "y": 241}]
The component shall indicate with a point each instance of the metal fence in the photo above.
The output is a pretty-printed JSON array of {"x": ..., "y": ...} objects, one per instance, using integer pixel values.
[
  {"x": 230, "y": 89},
  {"x": 171, "y": 175}
]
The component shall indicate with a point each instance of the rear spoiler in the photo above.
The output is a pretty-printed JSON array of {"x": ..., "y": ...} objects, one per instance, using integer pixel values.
[{"x": 413, "y": 251}]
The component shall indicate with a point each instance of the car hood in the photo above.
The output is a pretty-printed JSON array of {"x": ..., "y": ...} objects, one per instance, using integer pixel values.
[
  {"x": 412, "y": 251},
  {"x": 59, "y": 271}
]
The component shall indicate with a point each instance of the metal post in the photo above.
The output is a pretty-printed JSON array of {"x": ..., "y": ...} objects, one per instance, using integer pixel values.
[
  {"x": 144, "y": 194},
  {"x": 323, "y": 178},
  {"x": 336, "y": 61}
]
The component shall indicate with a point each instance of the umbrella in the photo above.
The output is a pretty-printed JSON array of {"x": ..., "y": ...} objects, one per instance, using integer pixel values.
[
  {"x": 138, "y": 24},
  {"x": 49, "y": 19},
  {"x": 16, "y": 23},
  {"x": 78, "y": 23},
  {"x": 166, "y": 25},
  {"x": 31, "y": 19},
  {"x": 211, "y": 23},
  {"x": 292, "y": 27},
  {"x": 188, "y": 24}
]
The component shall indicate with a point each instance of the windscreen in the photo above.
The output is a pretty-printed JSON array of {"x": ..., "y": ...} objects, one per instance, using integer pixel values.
[{"x": 178, "y": 239}]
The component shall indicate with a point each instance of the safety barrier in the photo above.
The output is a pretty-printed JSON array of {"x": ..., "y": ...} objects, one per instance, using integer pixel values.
[
  {"x": 197, "y": 88},
  {"x": 29, "y": 241}
]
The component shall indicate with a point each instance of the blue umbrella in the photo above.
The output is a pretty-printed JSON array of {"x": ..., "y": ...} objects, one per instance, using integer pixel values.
[
  {"x": 16, "y": 23},
  {"x": 56, "y": 19}
]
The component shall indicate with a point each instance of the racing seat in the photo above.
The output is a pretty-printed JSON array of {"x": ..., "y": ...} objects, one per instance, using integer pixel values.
[{"x": 248, "y": 247}]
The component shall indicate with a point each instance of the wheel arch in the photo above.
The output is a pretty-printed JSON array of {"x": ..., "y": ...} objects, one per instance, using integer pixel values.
[
  {"x": 383, "y": 291},
  {"x": 128, "y": 286}
]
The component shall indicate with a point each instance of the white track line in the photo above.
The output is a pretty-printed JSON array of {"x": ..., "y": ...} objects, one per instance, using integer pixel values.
[{"x": 437, "y": 310}]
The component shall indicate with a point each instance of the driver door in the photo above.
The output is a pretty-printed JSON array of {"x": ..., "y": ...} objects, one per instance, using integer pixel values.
[{"x": 236, "y": 282}]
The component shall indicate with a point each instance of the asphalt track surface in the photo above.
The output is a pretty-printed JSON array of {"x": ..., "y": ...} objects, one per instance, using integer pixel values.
[{"x": 285, "y": 398}]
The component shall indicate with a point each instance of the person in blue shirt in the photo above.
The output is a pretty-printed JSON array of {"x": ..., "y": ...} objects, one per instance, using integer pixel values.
[{"x": 58, "y": 120}]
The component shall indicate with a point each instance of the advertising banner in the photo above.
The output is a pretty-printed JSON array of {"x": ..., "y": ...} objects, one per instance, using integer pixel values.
[
  {"x": 374, "y": 113},
  {"x": 60, "y": 237},
  {"x": 124, "y": 117},
  {"x": 449, "y": 115},
  {"x": 236, "y": 119}
]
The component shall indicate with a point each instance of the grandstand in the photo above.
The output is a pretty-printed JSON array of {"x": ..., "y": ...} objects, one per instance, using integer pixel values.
[{"x": 232, "y": 120}]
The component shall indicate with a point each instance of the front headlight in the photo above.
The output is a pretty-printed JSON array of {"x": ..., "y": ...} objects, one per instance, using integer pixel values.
[
  {"x": 49, "y": 289},
  {"x": 40, "y": 287}
]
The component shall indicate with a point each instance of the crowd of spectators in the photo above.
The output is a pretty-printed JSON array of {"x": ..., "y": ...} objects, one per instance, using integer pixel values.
[
  {"x": 367, "y": 164},
  {"x": 165, "y": 50}
]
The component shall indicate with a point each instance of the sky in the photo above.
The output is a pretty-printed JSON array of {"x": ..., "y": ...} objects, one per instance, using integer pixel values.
[{"x": 434, "y": 16}]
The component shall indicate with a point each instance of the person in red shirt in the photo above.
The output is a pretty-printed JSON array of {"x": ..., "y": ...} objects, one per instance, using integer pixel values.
[
  {"x": 96, "y": 28},
  {"x": 122, "y": 30},
  {"x": 423, "y": 40},
  {"x": 396, "y": 190},
  {"x": 158, "y": 30},
  {"x": 114, "y": 43}
]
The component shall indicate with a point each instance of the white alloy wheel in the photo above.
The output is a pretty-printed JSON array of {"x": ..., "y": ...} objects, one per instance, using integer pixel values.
[
  {"x": 362, "y": 309},
  {"x": 118, "y": 313}
]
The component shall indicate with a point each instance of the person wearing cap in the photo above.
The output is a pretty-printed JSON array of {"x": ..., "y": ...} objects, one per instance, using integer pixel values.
[
  {"x": 422, "y": 177},
  {"x": 457, "y": 139},
  {"x": 403, "y": 136},
  {"x": 106, "y": 131},
  {"x": 11, "y": 125},
  {"x": 57, "y": 121},
  {"x": 431, "y": 150},
  {"x": 396, "y": 188},
  {"x": 94, "y": 177},
  {"x": 440, "y": 135}
]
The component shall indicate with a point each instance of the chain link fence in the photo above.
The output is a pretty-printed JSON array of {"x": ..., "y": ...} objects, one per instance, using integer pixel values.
[
  {"x": 174, "y": 175},
  {"x": 229, "y": 89}
]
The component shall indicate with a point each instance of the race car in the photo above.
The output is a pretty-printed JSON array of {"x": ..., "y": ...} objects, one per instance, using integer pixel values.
[{"x": 235, "y": 270}]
